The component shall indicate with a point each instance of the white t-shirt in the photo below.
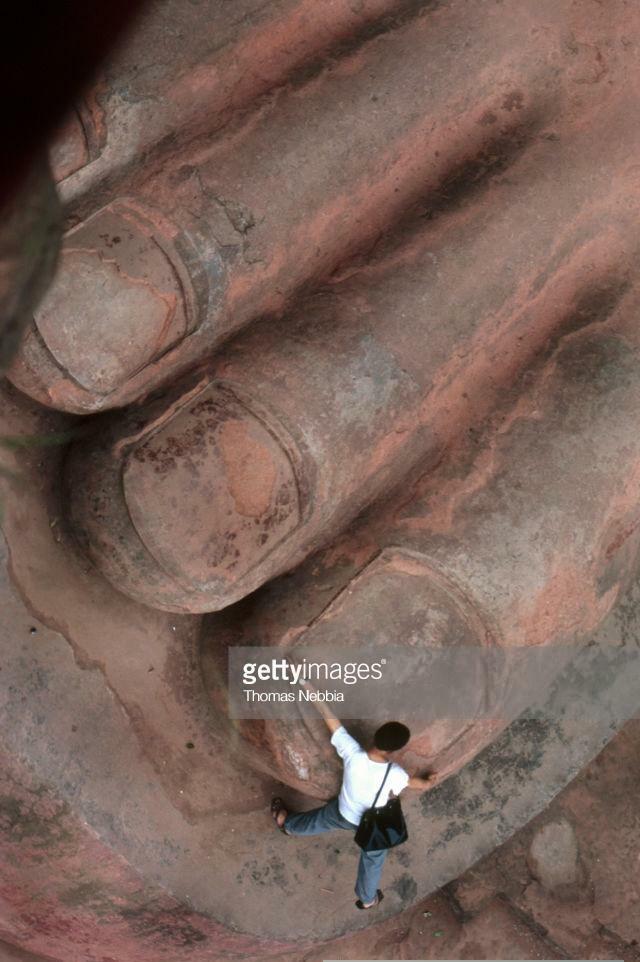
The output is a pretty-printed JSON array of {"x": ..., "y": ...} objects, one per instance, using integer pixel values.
[{"x": 362, "y": 778}]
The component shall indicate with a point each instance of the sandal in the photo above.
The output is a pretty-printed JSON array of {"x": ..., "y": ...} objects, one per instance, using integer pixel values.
[
  {"x": 379, "y": 897},
  {"x": 277, "y": 806}
]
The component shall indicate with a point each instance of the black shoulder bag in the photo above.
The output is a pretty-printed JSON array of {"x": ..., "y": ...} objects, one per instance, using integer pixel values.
[{"x": 382, "y": 827}]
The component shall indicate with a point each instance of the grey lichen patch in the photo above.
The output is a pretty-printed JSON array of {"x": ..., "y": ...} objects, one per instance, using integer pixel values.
[
  {"x": 510, "y": 762},
  {"x": 406, "y": 888},
  {"x": 170, "y": 926},
  {"x": 268, "y": 873},
  {"x": 403, "y": 857},
  {"x": 625, "y": 617},
  {"x": 21, "y": 821},
  {"x": 90, "y": 895}
]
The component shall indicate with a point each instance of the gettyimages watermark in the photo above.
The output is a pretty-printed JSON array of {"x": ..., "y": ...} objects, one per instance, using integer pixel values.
[
  {"x": 284, "y": 669},
  {"x": 427, "y": 684}
]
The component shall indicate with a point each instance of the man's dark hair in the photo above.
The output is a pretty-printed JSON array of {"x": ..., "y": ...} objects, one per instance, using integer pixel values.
[{"x": 391, "y": 736}]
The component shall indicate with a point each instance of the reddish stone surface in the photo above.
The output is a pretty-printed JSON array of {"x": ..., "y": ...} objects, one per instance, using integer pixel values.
[
  {"x": 11, "y": 953},
  {"x": 188, "y": 69},
  {"x": 426, "y": 216},
  {"x": 104, "y": 255},
  {"x": 598, "y": 918},
  {"x": 498, "y": 910},
  {"x": 106, "y": 706},
  {"x": 392, "y": 359},
  {"x": 350, "y": 172},
  {"x": 66, "y": 895},
  {"x": 530, "y": 545},
  {"x": 377, "y": 373}
]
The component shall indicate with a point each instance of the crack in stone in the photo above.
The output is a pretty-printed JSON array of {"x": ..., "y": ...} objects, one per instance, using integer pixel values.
[{"x": 536, "y": 928}]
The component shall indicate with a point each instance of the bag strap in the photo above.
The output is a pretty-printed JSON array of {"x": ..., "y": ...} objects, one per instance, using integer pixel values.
[{"x": 382, "y": 786}]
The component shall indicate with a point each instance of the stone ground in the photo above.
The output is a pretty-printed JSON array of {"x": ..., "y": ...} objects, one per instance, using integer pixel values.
[{"x": 565, "y": 887}]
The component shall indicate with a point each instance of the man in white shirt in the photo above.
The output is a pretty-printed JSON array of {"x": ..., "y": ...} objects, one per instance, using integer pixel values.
[{"x": 362, "y": 777}]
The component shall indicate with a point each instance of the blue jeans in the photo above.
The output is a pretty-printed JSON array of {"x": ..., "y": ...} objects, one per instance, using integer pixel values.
[{"x": 325, "y": 819}]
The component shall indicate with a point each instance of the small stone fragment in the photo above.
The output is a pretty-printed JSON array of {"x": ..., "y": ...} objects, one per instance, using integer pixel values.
[{"x": 554, "y": 859}]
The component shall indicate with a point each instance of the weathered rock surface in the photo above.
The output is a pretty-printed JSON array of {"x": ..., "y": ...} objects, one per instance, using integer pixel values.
[
  {"x": 554, "y": 860},
  {"x": 425, "y": 215},
  {"x": 102, "y": 701}
]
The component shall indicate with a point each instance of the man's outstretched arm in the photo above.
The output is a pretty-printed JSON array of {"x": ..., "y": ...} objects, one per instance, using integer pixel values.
[{"x": 332, "y": 723}]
